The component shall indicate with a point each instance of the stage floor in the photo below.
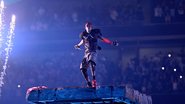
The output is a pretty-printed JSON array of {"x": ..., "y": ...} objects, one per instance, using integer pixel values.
[{"x": 76, "y": 95}]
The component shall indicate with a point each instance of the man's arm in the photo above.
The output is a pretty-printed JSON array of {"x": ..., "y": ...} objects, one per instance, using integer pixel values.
[
  {"x": 79, "y": 44},
  {"x": 106, "y": 40}
]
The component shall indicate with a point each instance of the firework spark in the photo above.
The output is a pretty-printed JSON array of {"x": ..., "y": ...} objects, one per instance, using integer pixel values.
[
  {"x": 1, "y": 23},
  {"x": 5, "y": 43},
  {"x": 1, "y": 40}
]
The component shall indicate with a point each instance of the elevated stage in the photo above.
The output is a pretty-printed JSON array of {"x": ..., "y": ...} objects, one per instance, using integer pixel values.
[{"x": 79, "y": 95}]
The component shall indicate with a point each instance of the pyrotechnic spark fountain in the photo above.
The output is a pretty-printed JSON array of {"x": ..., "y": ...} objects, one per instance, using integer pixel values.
[
  {"x": 6, "y": 43},
  {"x": 1, "y": 41},
  {"x": 1, "y": 24}
]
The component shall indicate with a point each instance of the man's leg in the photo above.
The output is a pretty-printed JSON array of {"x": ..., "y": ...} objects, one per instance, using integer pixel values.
[
  {"x": 83, "y": 68},
  {"x": 92, "y": 66},
  {"x": 91, "y": 62},
  {"x": 85, "y": 74}
]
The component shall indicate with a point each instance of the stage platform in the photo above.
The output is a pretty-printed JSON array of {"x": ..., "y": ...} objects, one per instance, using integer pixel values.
[{"x": 80, "y": 95}]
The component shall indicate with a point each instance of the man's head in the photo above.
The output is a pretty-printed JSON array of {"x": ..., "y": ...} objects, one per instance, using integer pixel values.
[{"x": 88, "y": 27}]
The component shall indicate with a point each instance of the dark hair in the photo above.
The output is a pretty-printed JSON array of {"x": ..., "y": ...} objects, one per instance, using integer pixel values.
[{"x": 88, "y": 24}]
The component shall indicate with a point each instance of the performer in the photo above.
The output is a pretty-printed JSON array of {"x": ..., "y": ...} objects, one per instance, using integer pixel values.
[{"x": 89, "y": 38}]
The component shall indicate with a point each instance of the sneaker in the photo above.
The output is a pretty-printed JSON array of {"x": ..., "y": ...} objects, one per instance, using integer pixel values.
[
  {"x": 94, "y": 83},
  {"x": 89, "y": 84}
]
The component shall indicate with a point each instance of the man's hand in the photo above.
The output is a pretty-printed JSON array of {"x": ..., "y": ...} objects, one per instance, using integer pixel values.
[
  {"x": 115, "y": 43},
  {"x": 77, "y": 47}
]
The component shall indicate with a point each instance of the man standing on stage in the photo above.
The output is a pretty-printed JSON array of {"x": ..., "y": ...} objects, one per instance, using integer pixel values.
[{"x": 89, "y": 38}]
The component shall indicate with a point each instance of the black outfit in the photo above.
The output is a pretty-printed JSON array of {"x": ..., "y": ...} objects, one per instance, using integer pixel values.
[{"x": 90, "y": 41}]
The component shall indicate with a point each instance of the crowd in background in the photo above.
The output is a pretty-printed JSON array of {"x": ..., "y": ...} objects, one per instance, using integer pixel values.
[
  {"x": 159, "y": 73},
  {"x": 119, "y": 12},
  {"x": 169, "y": 11},
  {"x": 99, "y": 12}
]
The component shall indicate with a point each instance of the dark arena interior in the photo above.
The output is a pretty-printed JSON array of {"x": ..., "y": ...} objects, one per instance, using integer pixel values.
[{"x": 147, "y": 67}]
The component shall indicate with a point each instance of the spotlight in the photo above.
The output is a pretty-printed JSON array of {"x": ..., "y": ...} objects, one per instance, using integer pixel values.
[
  {"x": 174, "y": 69},
  {"x": 180, "y": 76},
  {"x": 169, "y": 55},
  {"x": 18, "y": 86},
  {"x": 162, "y": 68}
]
